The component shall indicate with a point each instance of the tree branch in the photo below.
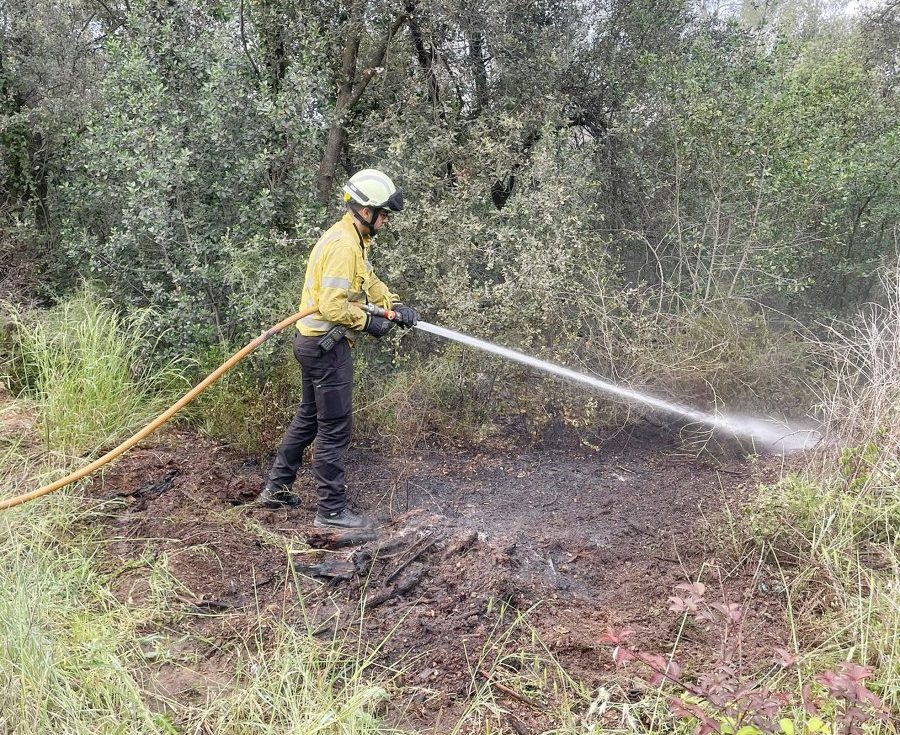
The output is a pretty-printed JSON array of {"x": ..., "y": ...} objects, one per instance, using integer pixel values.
[
  {"x": 244, "y": 43},
  {"x": 376, "y": 60},
  {"x": 350, "y": 89}
]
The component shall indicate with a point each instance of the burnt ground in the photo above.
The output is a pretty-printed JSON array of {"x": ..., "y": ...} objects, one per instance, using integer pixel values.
[{"x": 580, "y": 539}]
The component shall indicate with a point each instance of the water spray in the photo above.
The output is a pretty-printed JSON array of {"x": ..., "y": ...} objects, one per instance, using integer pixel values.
[
  {"x": 770, "y": 435},
  {"x": 767, "y": 434}
]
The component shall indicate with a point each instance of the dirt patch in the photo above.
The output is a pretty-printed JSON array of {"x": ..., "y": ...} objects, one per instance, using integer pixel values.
[{"x": 580, "y": 539}]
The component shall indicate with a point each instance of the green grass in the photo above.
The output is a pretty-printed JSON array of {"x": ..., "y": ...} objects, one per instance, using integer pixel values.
[
  {"x": 88, "y": 371},
  {"x": 66, "y": 645},
  {"x": 838, "y": 543},
  {"x": 288, "y": 682}
]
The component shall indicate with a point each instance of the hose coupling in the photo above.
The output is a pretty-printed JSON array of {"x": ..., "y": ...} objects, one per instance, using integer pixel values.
[{"x": 378, "y": 311}]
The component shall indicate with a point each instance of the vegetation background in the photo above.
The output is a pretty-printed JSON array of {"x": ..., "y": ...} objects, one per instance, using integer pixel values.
[
  {"x": 701, "y": 199},
  {"x": 667, "y": 193}
]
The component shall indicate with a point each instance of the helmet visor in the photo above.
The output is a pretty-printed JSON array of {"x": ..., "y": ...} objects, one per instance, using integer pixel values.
[{"x": 395, "y": 202}]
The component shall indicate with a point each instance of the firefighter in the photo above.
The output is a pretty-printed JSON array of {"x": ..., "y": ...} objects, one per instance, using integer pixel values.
[{"x": 338, "y": 277}]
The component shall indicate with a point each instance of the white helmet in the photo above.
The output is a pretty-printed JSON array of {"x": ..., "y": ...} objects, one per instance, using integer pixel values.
[{"x": 372, "y": 188}]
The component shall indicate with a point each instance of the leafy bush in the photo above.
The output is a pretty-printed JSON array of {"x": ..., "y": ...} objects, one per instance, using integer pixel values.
[{"x": 185, "y": 179}]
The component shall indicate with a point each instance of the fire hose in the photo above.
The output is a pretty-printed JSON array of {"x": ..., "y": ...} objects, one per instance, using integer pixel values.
[{"x": 176, "y": 407}]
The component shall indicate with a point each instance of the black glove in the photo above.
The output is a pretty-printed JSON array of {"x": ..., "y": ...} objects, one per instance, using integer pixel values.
[
  {"x": 377, "y": 326},
  {"x": 406, "y": 316}
]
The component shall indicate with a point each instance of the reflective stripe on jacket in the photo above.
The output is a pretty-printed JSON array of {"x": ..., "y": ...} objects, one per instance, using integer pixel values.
[{"x": 339, "y": 272}]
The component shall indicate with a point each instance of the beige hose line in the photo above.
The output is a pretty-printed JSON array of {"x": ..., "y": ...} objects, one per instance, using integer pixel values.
[{"x": 159, "y": 420}]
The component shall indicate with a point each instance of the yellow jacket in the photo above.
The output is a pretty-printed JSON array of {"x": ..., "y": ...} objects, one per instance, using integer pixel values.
[{"x": 339, "y": 272}]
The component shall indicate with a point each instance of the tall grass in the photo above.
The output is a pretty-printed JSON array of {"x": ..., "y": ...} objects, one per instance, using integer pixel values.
[
  {"x": 89, "y": 372},
  {"x": 66, "y": 645},
  {"x": 862, "y": 359},
  {"x": 837, "y": 524}
]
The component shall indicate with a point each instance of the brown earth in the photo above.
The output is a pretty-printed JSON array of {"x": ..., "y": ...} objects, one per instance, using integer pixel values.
[{"x": 580, "y": 539}]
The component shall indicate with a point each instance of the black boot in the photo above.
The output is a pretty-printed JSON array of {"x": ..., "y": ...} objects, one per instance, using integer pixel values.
[
  {"x": 345, "y": 518},
  {"x": 274, "y": 497}
]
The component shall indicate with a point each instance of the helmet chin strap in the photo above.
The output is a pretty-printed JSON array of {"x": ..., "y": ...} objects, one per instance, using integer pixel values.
[{"x": 357, "y": 213}]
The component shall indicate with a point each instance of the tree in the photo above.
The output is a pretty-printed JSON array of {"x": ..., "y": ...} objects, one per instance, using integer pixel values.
[{"x": 352, "y": 80}]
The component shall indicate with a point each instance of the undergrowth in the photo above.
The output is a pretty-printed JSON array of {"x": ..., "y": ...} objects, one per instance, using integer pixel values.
[
  {"x": 720, "y": 689},
  {"x": 725, "y": 695},
  {"x": 718, "y": 355},
  {"x": 70, "y": 653},
  {"x": 286, "y": 681},
  {"x": 414, "y": 389},
  {"x": 73, "y": 657},
  {"x": 834, "y": 528},
  {"x": 249, "y": 407},
  {"x": 89, "y": 372},
  {"x": 831, "y": 534}
]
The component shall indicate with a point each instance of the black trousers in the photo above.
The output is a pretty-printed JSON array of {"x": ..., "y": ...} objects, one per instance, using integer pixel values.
[{"x": 326, "y": 415}]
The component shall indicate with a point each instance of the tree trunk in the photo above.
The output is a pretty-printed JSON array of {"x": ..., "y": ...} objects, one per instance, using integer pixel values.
[
  {"x": 479, "y": 71},
  {"x": 352, "y": 82},
  {"x": 337, "y": 134},
  {"x": 426, "y": 57}
]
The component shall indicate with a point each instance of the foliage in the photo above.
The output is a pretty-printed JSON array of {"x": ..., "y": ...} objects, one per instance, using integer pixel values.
[
  {"x": 657, "y": 193},
  {"x": 89, "y": 372},
  {"x": 785, "y": 143},
  {"x": 158, "y": 202},
  {"x": 630, "y": 170}
]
